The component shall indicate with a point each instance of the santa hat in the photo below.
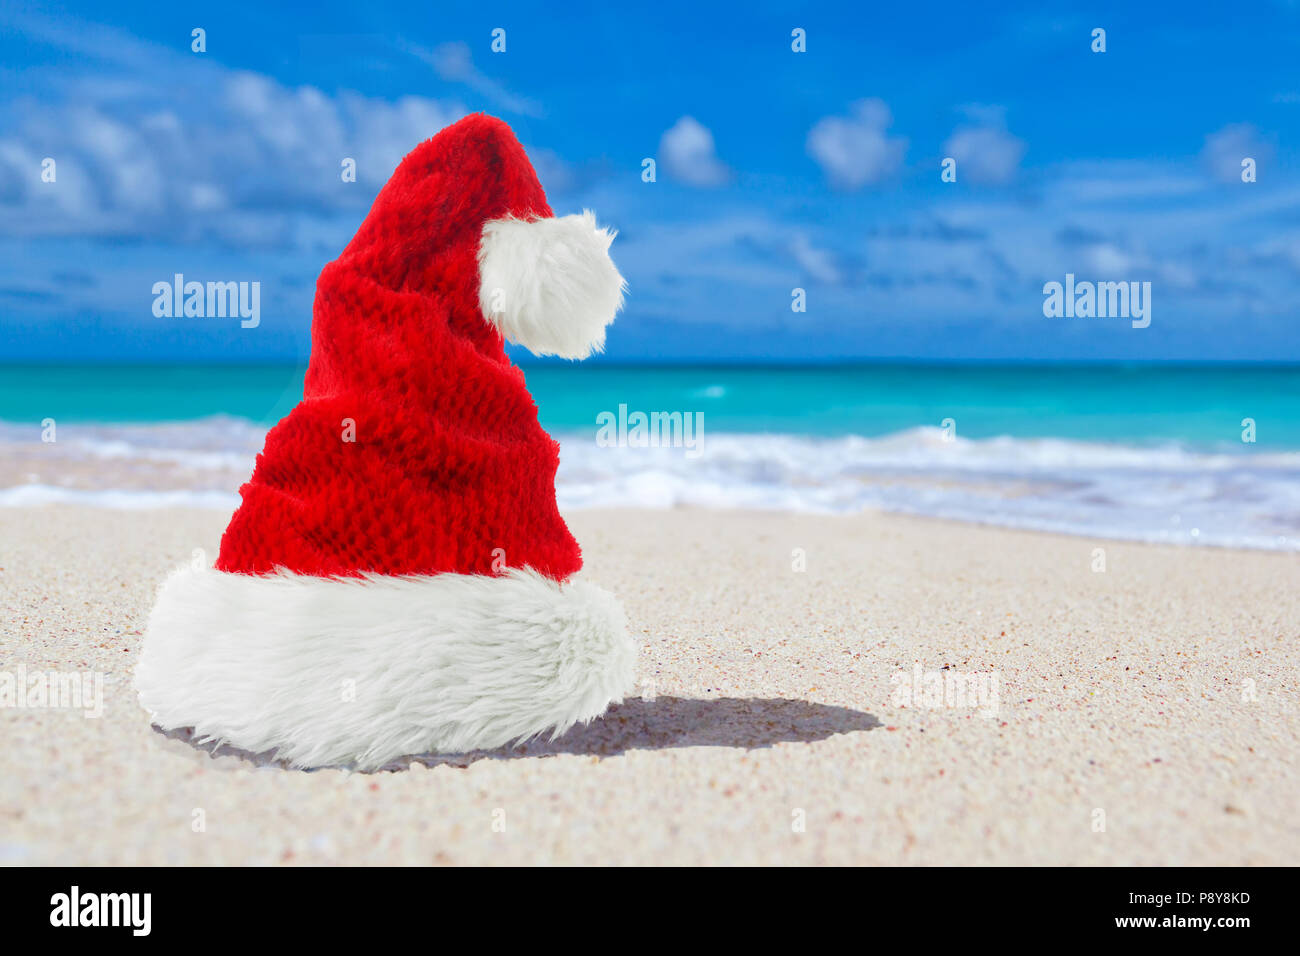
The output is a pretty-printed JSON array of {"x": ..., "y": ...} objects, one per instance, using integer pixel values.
[{"x": 397, "y": 578}]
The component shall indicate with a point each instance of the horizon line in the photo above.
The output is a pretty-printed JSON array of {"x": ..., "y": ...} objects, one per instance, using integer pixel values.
[{"x": 813, "y": 363}]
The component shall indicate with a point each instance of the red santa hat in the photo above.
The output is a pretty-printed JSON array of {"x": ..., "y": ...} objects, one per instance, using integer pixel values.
[{"x": 397, "y": 578}]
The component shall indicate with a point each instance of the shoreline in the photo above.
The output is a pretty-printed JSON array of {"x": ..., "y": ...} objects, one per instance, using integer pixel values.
[{"x": 122, "y": 500}]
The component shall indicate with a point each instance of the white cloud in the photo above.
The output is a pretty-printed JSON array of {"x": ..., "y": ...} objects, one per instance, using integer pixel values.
[
  {"x": 1109, "y": 261},
  {"x": 248, "y": 147},
  {"x": 856, "y": 151},
  {"x": 985, "y": 152},
  {"x": 686, "y": 150},
  {"x": 1225, "y": 149}
]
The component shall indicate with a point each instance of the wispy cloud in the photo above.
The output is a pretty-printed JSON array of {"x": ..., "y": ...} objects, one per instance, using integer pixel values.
[
  {"x": 818, "y": 263},
  {"x": 984, "y": 258},
  {"x": 1226, "y": 149},
  {"x": 454, "y": 62}
]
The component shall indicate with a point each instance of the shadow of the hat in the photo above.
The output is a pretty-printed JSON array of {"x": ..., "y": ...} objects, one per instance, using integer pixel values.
[{"x": 658, "y": 723}]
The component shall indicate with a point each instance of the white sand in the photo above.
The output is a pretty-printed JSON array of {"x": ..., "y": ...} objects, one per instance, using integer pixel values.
[{"x": 1127, "y": 692}]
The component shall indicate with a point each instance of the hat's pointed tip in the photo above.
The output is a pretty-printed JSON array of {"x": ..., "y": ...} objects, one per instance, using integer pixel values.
[{"x": 476, "y": 134}]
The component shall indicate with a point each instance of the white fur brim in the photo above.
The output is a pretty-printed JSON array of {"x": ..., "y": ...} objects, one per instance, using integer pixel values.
[
  {"x": 359, "y": 671},
  {"x": 549, "y": 284}
]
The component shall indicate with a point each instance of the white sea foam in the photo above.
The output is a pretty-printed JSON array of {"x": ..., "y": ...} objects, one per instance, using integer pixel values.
[
  {"x": 31, "y": 495},
  {"x": 1236, "y": 496},
  {"x": 1163, "y": 493}
]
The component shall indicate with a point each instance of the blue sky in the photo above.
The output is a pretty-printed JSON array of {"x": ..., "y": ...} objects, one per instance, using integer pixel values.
[{"x": 775, "y": 170}]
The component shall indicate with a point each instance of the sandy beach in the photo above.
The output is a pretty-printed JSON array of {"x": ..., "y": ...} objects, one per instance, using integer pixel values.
[{"x": 1141, "y": 714}]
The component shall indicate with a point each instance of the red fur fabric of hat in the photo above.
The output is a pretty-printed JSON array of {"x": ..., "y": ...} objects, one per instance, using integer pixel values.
[{"x": 444, "y": 463}]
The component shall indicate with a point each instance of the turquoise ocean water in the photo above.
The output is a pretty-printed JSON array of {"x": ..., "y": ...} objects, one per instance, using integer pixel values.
[
  {"x": 1199, "y": 405},
  {"x": 1149, "y": 452}
]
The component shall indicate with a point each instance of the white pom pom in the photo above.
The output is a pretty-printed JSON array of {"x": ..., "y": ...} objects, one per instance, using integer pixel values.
[{"x": 549, "y": 284}]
